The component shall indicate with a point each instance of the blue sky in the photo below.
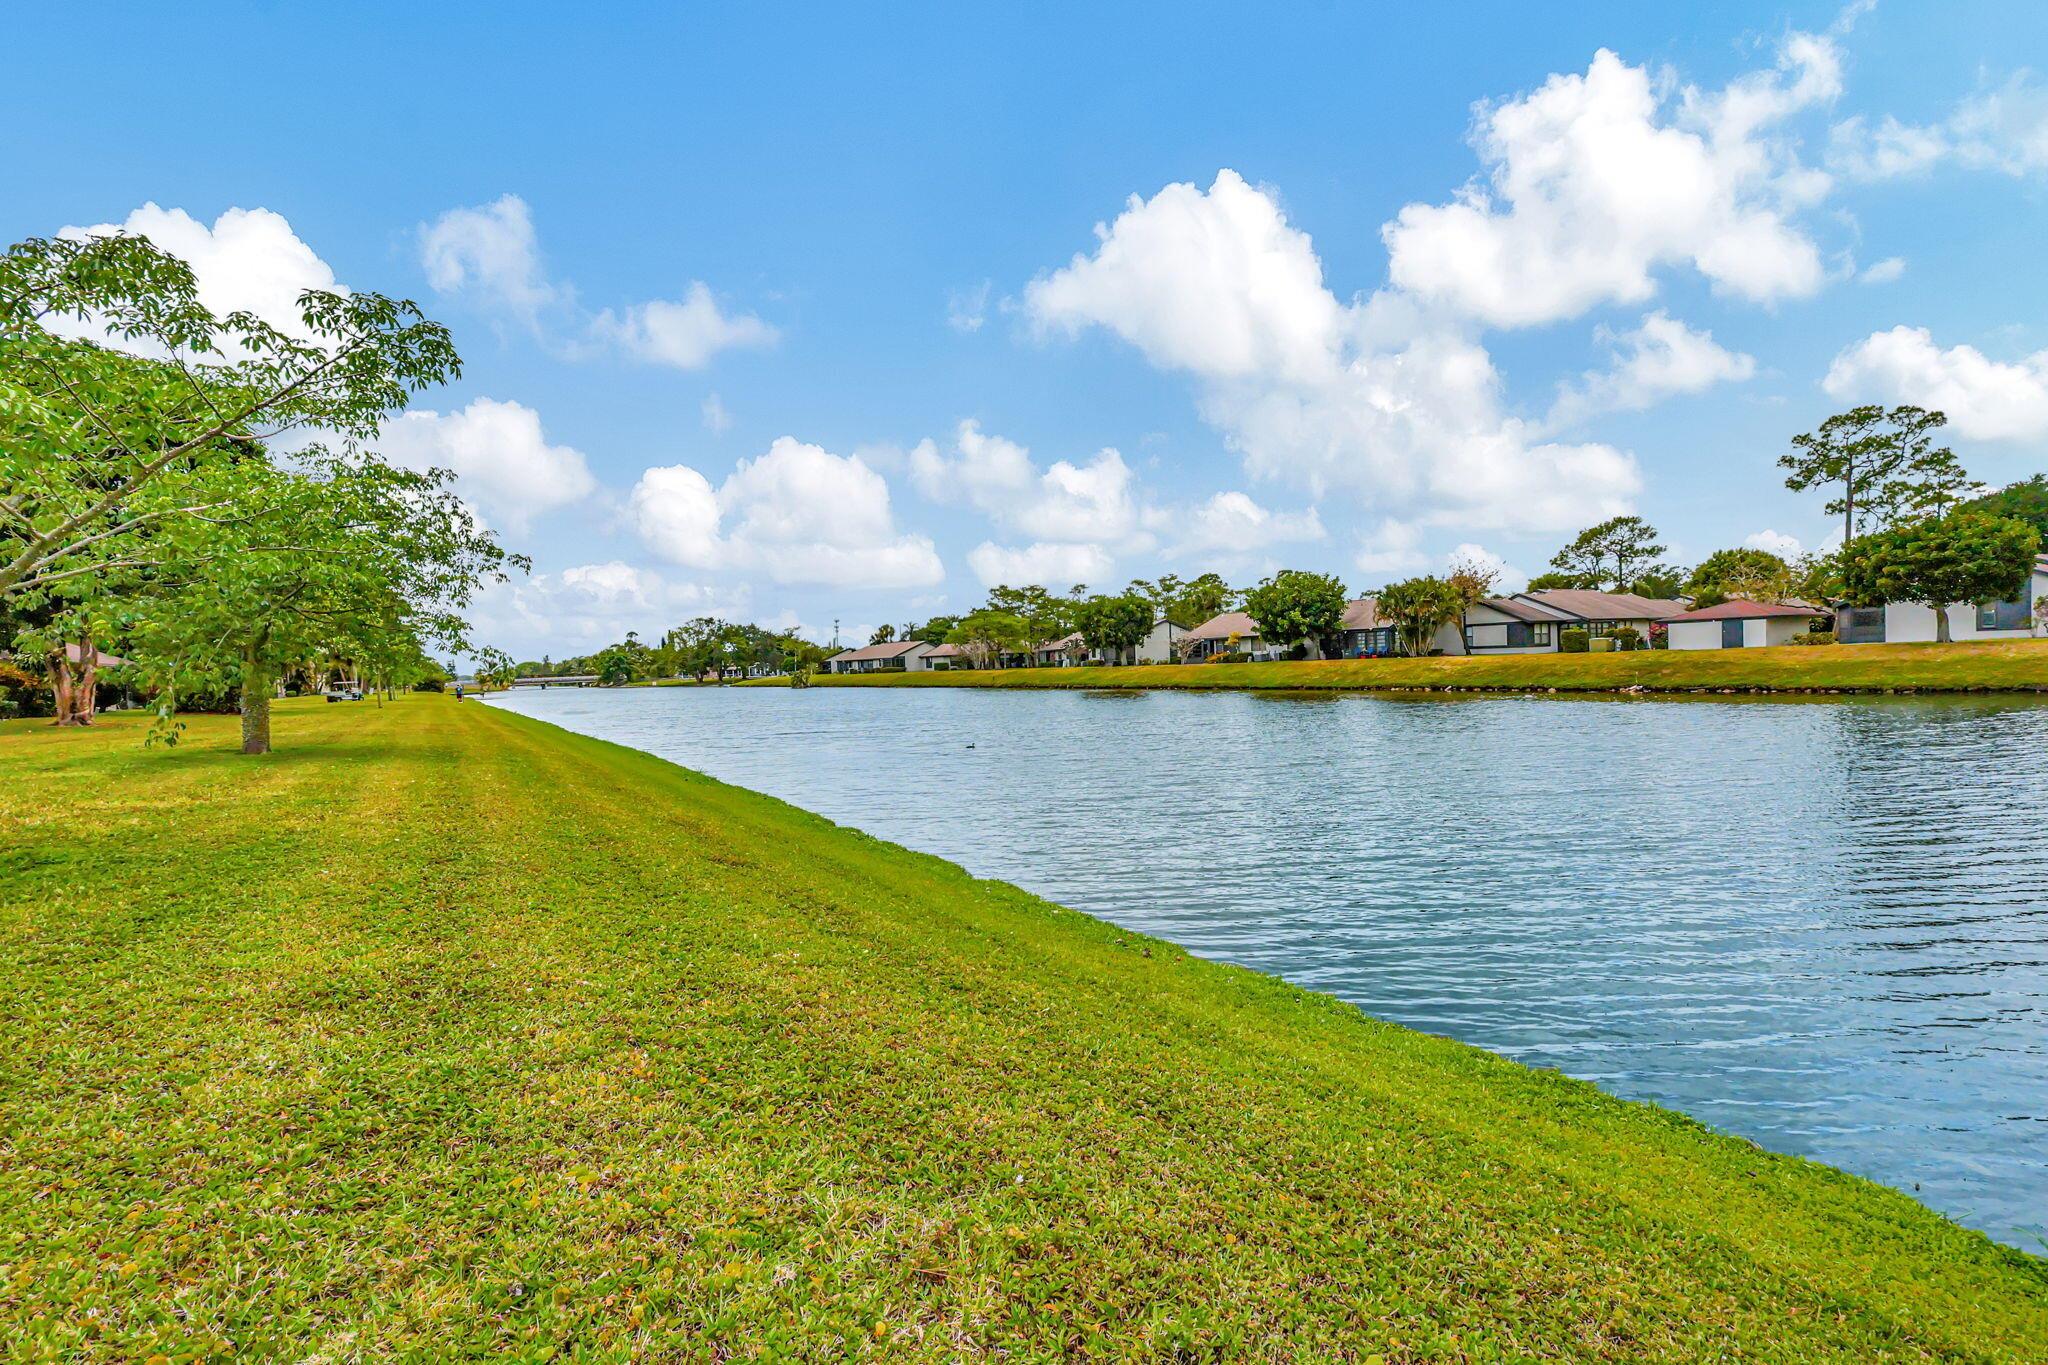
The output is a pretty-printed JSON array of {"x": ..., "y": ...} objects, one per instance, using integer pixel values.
[{"x": 802, "y": 315}]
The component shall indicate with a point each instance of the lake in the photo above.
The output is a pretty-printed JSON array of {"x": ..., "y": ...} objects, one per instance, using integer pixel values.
[{"x": 1820, "y": 924}]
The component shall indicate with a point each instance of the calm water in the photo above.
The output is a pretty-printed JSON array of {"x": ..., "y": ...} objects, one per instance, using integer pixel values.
[{"x": 1823, "y": 925}]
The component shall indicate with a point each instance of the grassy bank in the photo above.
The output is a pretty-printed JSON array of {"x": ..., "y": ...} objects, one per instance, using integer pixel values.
[
  {"x": 2003, "y": 666},
  {"x": 441, "y": 1032}
]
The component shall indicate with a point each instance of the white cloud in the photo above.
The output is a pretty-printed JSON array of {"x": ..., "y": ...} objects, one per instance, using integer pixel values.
[
  {"x": 716, "y": 417},
  {"x": 2003, "y": 130},
  {"x": 1884, "y": 271},
  {"x": 250, "y": 260},
  {"x": 797, "y": 514},
  {"x": 503, "y": 462},
  {"x": 588, "y": 606},
  {"x": 1661, "y": 358},
  {"x": 683, "y": 333},
  {"x": 1785, "y": 547},
  {"x": 1376, "y": 396},
  {"x": 1056, "y": 566},
  {"x": 1507, "y": 578},
  {"x": 1985, "y": 399},
  {"x": 1232, "y": 523},
  {"x": 489, "y": 250},
  {"x": 1392, "y": 549},
  {"x": 1595, "y": 181},
  {"x": 967, "y": 309},
  {"x": 1096, "y": 501}
]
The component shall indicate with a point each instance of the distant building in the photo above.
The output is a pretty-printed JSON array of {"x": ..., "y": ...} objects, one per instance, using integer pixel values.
[
  {"x": 1216, "y": 635},
  {"x": 893, "y": 655},
  {"x": 1907, "y": 622},
  {"x": 1741, "y": 624},
  {"x": 1533, "y": 622}
]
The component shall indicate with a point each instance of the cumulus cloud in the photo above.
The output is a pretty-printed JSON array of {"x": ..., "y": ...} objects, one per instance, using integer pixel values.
[
  {"x": 249, "y": 260},
  {"x": 1785, "y": 547},
  {"x": 1050, "y": 565},
  {"x": 503, "y": 462},
  {"x": 1232, "y": 523},
  {"x": 684, "y": 333},
  {"x": 1884, "y": 271},
  {"x": 1595, "y": 181},
  {"x": 587, "y": 606},
  {"x": 2003, "y": 130},
  {"x": 1659, "y": 359},
  {"x": 1391, "y": 550},
  {"x": 1370, "y": 396},
  {"x": 1095, "y": 501},
  {"x": 1985, "y": 399},
  {"x": 489, "y": 251},
  {"x": 797, "y": 514}
]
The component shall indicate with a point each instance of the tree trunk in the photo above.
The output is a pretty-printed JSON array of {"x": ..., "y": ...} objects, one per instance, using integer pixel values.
[
  {"x": 86, "y": 701},
  {"x": 61, "y": 691},
  {"x": 1941, "y": 635},
  {"x": 255, "y": 706}
]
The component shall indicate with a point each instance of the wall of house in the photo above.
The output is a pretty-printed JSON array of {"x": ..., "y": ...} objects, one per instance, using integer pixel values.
[
  {"x": 1157, "y": 646},
  {"x": 1779, "y": 630},
  {"x": 1694, "y": 635},
  {"x": 1489, "y": 630}
]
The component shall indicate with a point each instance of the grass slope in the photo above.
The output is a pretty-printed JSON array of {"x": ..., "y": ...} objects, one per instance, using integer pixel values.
[
  {"x": 442, "y": 1032},
  {"x": 2000, "y": 666}
]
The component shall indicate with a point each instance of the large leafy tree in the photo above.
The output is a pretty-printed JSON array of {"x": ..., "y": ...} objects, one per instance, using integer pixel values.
[
  {"x": 1115, "y": 624},
  {"x": 101, "y": 440},
  {"x": 1297, "y": 605},
  {"x": 2025, "y": 501},
  {"x": 1187, "y": 602},
  {"x": 1963, "y": 557},
  {"x": 1611, "y": 554},
  {"x": 343, "y": 557},
  {"x": 988, "y": 634},
  {"x": 1045, "y": 615},
  {"x": 1744, "y": 572},
  {"x": 1883, "y": 461},
  {"x": 1418, "y": 608}
]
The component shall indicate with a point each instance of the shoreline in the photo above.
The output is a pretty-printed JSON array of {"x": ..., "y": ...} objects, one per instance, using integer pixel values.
[
  {"x": 2018, "y": 667},
  {"x": 671, "y": 1055}
]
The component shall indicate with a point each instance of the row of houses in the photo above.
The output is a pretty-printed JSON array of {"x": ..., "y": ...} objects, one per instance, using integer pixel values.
[{"x": 1520, "y": 623}]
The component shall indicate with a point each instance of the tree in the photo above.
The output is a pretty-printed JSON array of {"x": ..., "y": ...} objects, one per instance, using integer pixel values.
[
  {"x": 883, "y": 635},
  {"x": 1740, "y": 572},
  {"x": 986, "y": 635},
  {"x": 614, "y": 666},
  {"x": 1556, "y": 579},
  {"x": 1296, "y": 605},
  {"x": 97, "y": 444},
  {"x": 2025, "y": 501},
  {"x": 1470, "y": 580},
  {"x": 1045, "y": 616},
  {"x": 345, "y": 557},
  {"x": 1187, "y": 603},
  {"x": 1885, "y": 462},
  {"x": 1963, "y": 557},
  {"x": 1115, "y": 625},
  {"x": 494, "y": 669},
  {"x": 1628, "y": 541},
  {"x": 1418, "y": 608}
]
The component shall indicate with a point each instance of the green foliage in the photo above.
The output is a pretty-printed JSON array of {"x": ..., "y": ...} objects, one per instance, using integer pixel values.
[
  {"x": 1659, "y": 580},
  {"x": 1115, "y": 624},
  {"x": 1045, "y": 616},
  {"x": 1187, "y": 603},
  {"x": 1557, "y": 579},
  {"x": 2025, "y": 501},
  {"x": 988, "y": 634},
  {"x": 1814, "y": 637},
  {"x": 1884, "y": 461},
  {"x": 1963, "y": 557},
  {"x": 1756, "y": 575},
  {"x": 1626, "y": 637},
  {"x": 1418, "y": 608},
  {"x": 1294, "y": 605},
  {"x": 1574, "y": 640},
  {"x": 1629, "y": 542}
]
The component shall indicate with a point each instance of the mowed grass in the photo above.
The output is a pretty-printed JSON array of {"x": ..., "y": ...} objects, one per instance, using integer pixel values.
[
  {"x": 1991, "y": 666},
  {"x": 442, "y": 1033}
]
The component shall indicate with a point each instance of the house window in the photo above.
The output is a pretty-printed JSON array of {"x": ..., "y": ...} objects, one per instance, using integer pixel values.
[
  {"x": 2002, "y": 615},
  {"x": 1519, "y": 635},
  {"x": 1539, "y": 632}
]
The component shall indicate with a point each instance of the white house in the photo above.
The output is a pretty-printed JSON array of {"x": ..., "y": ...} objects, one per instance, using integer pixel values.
[
  {"x": 1534, "y": 622},
  {"x": 1740, "y": 624},
  {"x": 1068, "y": 649},
  {"x": 893, "y": 655},
  {"x": 1905, "y": 622},
  {"x": 1155, "y": 648}
]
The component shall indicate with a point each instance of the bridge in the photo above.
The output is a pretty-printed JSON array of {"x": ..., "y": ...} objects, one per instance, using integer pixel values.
[{"x": 566, "y": 680}]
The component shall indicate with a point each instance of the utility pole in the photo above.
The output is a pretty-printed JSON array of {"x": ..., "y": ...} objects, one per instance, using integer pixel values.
[{"x": 835, "y": 633}]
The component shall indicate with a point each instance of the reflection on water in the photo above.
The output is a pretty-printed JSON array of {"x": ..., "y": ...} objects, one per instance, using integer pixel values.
[{"x": 1822, "y": 925}]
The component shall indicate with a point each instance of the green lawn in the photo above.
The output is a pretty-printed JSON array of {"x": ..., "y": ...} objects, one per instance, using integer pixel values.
[
  {"x": 441, "y": 1032},
  {"x": 2000, "y": 666}
]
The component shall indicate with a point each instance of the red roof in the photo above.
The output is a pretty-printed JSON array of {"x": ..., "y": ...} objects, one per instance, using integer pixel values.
[{"x": 1736, "y": 609}]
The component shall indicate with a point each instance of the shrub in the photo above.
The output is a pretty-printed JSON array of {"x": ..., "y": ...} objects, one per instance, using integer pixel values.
[
  {"x": 431, "y": 685},
  {"x": 1627, "y": 637},
  {"x": 1814, "y": 637},
  {"x": 1235, "y": 656},
  {"x": 1572, "y": 640}
]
